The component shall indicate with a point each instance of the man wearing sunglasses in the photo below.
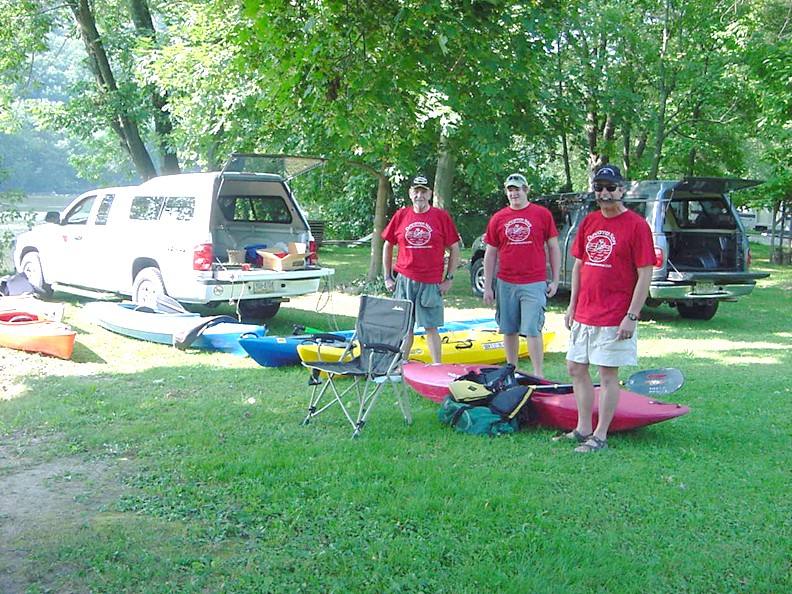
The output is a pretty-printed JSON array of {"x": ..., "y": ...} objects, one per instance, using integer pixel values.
[
  {"x": 516, "y": 238},
  {"x": 614, "y": 255}
]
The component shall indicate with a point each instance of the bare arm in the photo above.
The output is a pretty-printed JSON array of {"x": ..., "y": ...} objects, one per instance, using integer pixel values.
[
  {"x": 573, "y": 295},
  {"x": 453, "y": 264},
  {"x": 490, "y": 262},
  {"x": 640, "y": 293},
  {"x": 554, "y": 253},
  {"x": 387, "y": 265}
]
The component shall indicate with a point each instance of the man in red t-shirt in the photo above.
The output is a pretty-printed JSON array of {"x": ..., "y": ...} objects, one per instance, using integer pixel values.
[
  {"x": 516, "y": 238},
  {"x": 614, "y": 255},
  {"x": 422, "y": 233}
]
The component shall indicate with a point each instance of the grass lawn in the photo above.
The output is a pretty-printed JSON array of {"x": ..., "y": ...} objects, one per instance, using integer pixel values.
[{"x": 190, "y": 472}]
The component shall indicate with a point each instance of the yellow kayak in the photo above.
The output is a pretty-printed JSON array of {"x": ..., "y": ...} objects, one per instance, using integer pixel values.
[{"x": 484, "y": 347}]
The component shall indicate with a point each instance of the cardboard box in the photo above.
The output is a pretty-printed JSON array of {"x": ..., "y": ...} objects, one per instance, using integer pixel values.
[{"x": 294, "y": 260}]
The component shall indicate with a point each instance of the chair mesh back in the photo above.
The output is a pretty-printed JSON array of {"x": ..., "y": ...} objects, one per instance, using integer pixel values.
[{"x": 384, "y": 321}]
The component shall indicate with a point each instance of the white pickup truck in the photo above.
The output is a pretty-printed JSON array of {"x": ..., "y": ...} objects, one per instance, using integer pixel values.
[{"x": 174, "y": 235}]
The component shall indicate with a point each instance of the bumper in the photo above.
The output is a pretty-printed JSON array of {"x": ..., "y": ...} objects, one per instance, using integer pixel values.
[
  {"x": 234, "y": 285},
  {"x": 671, "y": 291}
]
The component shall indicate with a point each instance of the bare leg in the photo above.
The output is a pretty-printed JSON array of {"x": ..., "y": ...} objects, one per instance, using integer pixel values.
[
  {"x": 608, "y": 400},
  {"x": 511, "y": 344},
  {"x": 408, "y": 345},
  {"x": 433, "y": 342},
  {"x": 584, "y": 395},
  {"x": 536, "y": 351}
]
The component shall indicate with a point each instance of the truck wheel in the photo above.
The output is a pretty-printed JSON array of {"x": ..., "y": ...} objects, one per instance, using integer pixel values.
[
  {"x": 31, "y": 266},
  {"x": 147, "y": 287},
  {"x": 258, "y": 309},
  {"x": 697, "y": 311},
  {"x": 477, "y": 277}
]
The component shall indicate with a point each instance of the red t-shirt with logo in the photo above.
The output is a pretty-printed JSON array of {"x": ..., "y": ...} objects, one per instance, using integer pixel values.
[
  {"x": 520, "y": 236},
  {"x": 422, "y": 239},
  {"x": 610, "y": 250}
]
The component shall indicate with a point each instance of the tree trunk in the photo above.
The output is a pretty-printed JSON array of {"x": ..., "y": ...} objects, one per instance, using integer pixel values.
[
  {"x": 444, "y": 177},
  {"x": 384, "y": 192},
  {"x": 122, "y": 124},
  {"x": 163, "y": 124}
]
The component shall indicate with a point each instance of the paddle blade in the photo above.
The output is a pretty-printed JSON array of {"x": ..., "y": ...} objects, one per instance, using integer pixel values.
[{"x": 656, "y": 382}]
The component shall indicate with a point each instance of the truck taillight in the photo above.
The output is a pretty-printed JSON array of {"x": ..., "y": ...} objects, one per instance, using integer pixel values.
[
  {"x": 202, "y": 257},
  {"x": 747, "y": 258},
  {"x": 659, "y": 257},
  {"x": 313, "y": 259}
]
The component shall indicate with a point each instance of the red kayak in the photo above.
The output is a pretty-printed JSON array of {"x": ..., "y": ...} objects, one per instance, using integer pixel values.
[
  {"x": 553, "y": 405},
  {"x": 26, "y": 331}
]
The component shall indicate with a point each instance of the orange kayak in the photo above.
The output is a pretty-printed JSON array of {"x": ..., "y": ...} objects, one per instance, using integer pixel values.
[{"x": 26, "y": 331}]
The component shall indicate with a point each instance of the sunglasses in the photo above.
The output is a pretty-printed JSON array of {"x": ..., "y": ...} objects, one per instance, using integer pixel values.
[{"x": 609, "y": 187}]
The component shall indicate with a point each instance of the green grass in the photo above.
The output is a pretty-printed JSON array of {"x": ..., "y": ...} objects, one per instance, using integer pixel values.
[{"x": 223, "y": 494}]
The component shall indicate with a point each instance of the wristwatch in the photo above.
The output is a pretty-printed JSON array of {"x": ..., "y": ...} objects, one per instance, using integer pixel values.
[
  {"x": 449, "y": 277},
  {"x": 633, "y": 317}
]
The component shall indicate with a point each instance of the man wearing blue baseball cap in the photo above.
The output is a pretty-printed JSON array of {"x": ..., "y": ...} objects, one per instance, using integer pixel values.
[{"x": 614, "y": 256}]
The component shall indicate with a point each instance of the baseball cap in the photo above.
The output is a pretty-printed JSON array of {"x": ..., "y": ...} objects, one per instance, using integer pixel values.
[
  {"x": 516, "y": 179},
  {"x": 420, "y": 181},
  {"x": 608, "y": 173}
]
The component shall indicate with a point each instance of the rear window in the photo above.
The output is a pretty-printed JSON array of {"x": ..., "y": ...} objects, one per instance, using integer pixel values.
[
  {"x": 255, "y": 209},
  {"x": 703, "y": 213}
]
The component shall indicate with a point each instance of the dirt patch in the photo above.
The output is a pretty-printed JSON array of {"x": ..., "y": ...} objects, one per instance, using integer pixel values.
[{"x": 42, "y": 498}]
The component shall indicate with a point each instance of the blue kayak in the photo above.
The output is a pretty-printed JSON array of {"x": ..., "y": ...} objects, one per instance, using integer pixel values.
[{"x": 182, "y": 329}]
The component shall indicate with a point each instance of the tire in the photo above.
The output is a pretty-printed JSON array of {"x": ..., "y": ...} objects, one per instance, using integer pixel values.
[
  {"x": 477, "y": 277},
  {"x": 258, "y": 309},
  {"x": 147, "y": 287},
  {"x": 31, "y": 266},
  {"x": 697, "y": 311}
]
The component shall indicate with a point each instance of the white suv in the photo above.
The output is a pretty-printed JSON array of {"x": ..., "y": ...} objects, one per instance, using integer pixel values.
[{"x": 173, "y": 234}]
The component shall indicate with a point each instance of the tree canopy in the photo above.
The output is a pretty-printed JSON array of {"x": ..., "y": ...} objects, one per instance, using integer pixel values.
[{"x": 388, "y": 88}]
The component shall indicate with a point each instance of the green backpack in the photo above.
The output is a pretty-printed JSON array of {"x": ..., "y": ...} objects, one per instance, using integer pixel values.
[
  {"x": 478, "y": 420},
  {"x": 496, "y": 416}
]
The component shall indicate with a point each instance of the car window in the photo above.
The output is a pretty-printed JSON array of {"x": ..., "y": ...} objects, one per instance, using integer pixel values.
[
  {"x": 104, "y": 209},
  {"x": 178, "y": 209},
  {"x": 703, "y": 213},
  {"x": 255, "y": 209},
  {"x": 146, "y": 208},
  {"x": 79, "y": 214}
]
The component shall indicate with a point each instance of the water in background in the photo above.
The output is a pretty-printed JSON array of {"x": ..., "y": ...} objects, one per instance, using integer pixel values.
[{"x": 41, "y": 204}]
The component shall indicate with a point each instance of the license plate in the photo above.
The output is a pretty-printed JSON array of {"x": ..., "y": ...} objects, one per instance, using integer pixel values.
[
  {"x": 705, "y": 288},
  {"x": 262, "y": 287}
]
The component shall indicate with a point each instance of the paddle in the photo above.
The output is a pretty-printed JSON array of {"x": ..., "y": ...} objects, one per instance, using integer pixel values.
[
  {"x": 655, "y": 382},
  {"x": 649, "y": 382}
]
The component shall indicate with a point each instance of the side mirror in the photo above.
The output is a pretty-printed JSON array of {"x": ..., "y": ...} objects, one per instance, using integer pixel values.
[{"x": 52, "y": 217}]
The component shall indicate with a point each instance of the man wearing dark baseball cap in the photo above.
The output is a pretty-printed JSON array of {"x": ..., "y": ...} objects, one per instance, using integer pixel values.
[
  {"x": 422, "y": 233},
  {"x": 614, "y": 256}
]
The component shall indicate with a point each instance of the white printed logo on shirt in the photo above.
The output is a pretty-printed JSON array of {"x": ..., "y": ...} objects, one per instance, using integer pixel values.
[
  {"x": 518, "y": 230},
  {"x": 599, "y": 247},
  {"x": 418, "y": 234}
]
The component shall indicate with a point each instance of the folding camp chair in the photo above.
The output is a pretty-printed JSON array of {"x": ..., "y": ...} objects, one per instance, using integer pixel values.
[{"x": 376, "y": 357}]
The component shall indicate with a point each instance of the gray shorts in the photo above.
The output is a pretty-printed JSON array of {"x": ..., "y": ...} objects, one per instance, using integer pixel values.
[
  {"x": 597, "y": 345},
  {"x": 426, "y": 299},
  {"x": 520, "y": 309}
]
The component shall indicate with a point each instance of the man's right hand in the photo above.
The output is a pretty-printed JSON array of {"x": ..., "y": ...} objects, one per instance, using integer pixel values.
[{"x": 489, "y": 297}]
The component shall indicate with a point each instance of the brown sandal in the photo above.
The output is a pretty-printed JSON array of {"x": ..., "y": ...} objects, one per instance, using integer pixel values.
[
  {"x": 592, "y": 444},
  {"x": 573, "y": 435}
]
